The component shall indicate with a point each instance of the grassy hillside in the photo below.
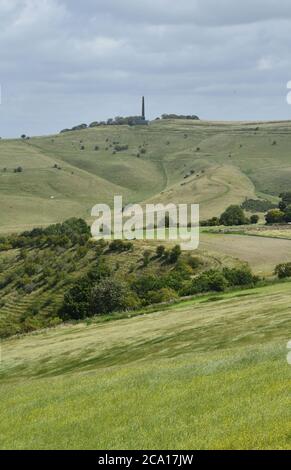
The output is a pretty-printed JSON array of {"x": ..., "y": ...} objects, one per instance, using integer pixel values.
[
  {"x": 209, "y": 373},
  {"x": 37, "y": 272},
  {"x": 214, "y": 164}
]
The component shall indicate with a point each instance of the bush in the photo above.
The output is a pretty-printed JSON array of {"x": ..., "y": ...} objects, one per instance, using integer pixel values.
[
  {"x": 275, "y": 216},
  {"x": 239, "y": 276},
  {"x": 163, "y": 295},
  {"x": 194, "y": 262},
  {"x": 120, "y": 246},
  {"x": 209, "y": 281},
  {"x": 283, "y": 270},
  {"x": 160, "y": 251},
  {"x": 174, "y": 254},
  {"x": 285, "y": 200},
  {"x": 213, "y": 222},
  {"x": 98, "y": 272},
  {"x": 76, "y": 301},
  {"x": 120, "y": 148},
  {"x": 234, "y": 215},
  {"x": 144, "y": 284},
  {"x": 175, "y": 280},
  {"x": 257, "y": 205},
  {"x": 111, "y": 295},
  {"x": 287, "y": 212},
  {"x": 183, "y": 269}
]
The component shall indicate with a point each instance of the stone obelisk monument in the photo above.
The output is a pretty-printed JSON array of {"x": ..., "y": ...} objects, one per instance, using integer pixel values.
[{"x": 143, "y": 109}]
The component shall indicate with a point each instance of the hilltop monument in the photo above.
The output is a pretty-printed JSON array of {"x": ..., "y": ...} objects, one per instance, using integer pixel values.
[
  {"x": 139, "y": 120},
  {"x": 143, "y": 109}
]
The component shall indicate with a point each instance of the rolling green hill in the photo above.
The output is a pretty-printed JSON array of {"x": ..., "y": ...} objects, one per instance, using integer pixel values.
[
  {"x": 206, "y": 374},
  {"x": 210, "y": 372},
  {"x": 214, "y": 164}
]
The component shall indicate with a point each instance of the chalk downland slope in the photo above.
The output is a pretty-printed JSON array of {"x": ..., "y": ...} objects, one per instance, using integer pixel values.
[{"x": 214, "y": 164}]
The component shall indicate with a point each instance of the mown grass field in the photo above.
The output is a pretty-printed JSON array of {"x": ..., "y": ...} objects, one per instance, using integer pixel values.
[
  {"x": 214, "y": 164},
  {"x": 208, "y": 373},
  {"x": 262, "y": 253}
]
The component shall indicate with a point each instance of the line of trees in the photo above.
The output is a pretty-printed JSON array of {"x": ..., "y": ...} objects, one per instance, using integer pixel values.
[
  {"x": 117, "y": 121},
  {"x": 72, "y": 232},
  {"x": 128, "y": 121},
  {"x": 192, "y": 117},
  {"x": 233, "y": 215}
]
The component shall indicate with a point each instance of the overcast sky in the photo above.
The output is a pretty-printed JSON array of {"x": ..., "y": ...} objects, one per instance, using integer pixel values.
[{"x": 63, "y": 62}]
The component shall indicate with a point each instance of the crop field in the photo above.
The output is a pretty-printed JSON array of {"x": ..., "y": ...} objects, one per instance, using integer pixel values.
[
  {"x": 208, "y": 373},
  {"x": 262, "y": 253}
]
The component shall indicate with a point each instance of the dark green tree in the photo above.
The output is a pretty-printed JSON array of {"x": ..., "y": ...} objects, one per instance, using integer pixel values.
[
  {"x": 233, "y": 215},
  {"x": 275, "y": 216},
  {"x": 110, "y": 295}
]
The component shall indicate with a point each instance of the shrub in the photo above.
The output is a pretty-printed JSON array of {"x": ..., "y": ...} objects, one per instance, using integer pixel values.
[
  {"x": 234, "y": 215},
  {"x": 209, "y": 281},
  {"x": 175, "y": 254},
  {"x": 287, "y": 212},
  {"x": 257, "y": 205},
  {"x": 111, "y": 295},
  {"x": 98, "y": 272},
  {"x": 275, "y": 216},
  {"x": 285, "y": 200},
  {"x": 160, "y": 251},
  {"x": 239, "y": 276},
  {"x": 194, "y": 262},
  {"x": 213, "y": 222},
  {"x": 254, "y": 219},
  {"x": 175, "y": 280},
  {"x": 120, "y": 148},
  {"x": 142, "y": 285},
  {"x": 163, "y": 295},
  {"x": 183, "y": 269},
  {"x": 29, "y": 268},
  {"x": 120, "y": 246},
  {"x": 283, "y": 270},
  {"x": 76, "y": 301}
]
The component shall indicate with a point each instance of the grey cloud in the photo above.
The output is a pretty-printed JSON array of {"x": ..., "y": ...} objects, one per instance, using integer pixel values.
[
  {"x": 63, "y": 61},
  {"x": 203, "y": 12}
]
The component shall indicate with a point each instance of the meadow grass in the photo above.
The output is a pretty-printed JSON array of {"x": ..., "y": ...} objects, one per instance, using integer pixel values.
[{"x": 202, "y": 374}]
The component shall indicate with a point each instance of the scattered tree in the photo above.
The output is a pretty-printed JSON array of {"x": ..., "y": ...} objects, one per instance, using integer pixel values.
[{"x": 234, "y": 215}]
